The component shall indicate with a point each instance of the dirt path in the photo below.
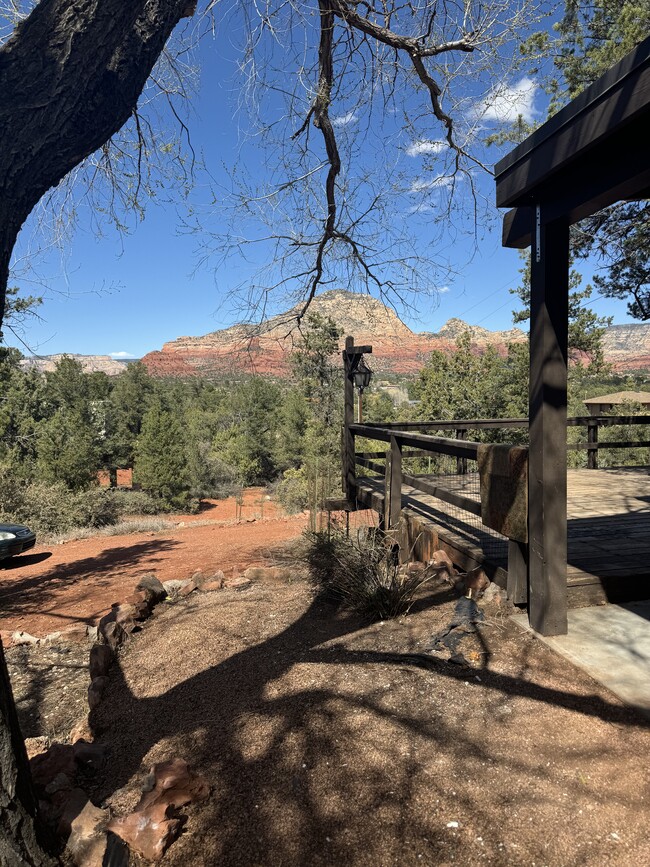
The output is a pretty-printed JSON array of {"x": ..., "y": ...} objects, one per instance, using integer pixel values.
[
  {"x": 323, "y": 750},
  {"x": 54, "y": 586}
]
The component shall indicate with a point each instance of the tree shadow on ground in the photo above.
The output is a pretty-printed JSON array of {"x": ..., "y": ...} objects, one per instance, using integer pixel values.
[
  {"x": 25, "y": 594},
  {"x": 43, "y": 675},
  {"x": 292, "y": 784}
]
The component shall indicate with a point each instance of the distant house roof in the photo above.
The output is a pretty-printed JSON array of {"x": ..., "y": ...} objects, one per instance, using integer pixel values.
[{"x": 621, "y": 397}]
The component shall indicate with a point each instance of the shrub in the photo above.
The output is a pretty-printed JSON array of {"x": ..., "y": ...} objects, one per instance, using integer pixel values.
[
  {"x": 361, "y": 574},
  {"x": 46, "y": 508},
  {"x": 135, "y": 503},
  {"x": 95, "y": 508},
  {"x": 292, "y": 491},
  {"x": 50, "y": 508}
]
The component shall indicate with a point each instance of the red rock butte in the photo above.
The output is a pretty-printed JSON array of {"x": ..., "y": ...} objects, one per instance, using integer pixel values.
[{"x": 265, "y": 348}]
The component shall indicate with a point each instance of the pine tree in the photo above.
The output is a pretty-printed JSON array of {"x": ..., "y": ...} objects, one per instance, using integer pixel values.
[
  {"x": 68, "y": 449},
  {"x": 160, "y": 466}
]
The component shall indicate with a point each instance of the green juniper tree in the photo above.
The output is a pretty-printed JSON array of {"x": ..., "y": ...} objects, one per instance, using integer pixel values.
[
  {"x": 125, "y": 409},
  {"x": 160, "y": 465},
  {"x": 246, "y": 439},
  {"x": 68, "y": 449}
]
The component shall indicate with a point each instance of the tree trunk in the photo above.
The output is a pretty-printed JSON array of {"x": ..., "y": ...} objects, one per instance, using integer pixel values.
[
  {"x": 70, "y": 77},
  {"x": 20, "y": 841}
]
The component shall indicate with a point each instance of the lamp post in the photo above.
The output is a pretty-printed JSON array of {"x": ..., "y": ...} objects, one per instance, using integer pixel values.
[{"x": 361, "y": 376}]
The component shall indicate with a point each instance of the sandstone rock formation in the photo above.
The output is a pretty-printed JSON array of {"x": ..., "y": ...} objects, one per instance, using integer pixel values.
[
  {"x": 265, "y": 348},
  {"x": 627, "y": 347},
  {"x": 90, "y": 363}
]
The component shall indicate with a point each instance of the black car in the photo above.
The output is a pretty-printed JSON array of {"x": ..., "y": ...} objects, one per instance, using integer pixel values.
[{"x": 14, "y": 539}]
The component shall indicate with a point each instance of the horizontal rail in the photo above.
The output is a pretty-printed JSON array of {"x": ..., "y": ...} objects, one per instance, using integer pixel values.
[
  {"x": 370, "y": 465},
  {"x": 442, "y": 445},
  {"x": 472, "y": 424},
  {"x": 626, "y": 444},
  {"x": 419, "y": 453},
  {"x": 454, "y": 499},
  {"x": 606, "y": 420},
  {"x": 480, "y": 423}
]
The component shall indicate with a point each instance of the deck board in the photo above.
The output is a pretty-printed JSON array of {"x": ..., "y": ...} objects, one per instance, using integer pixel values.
[{"x": 608, "y": 529}]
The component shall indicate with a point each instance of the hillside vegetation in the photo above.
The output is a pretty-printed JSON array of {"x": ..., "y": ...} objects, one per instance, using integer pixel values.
[{"x": 188, "y": 439}]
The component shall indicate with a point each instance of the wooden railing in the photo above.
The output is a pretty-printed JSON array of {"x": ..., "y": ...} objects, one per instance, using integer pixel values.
[
  {"x": 593, "y": 444},
  {"x": 414, "y": 440},
  {"x": 592, "y": 424},
  {"x": 424, "y": 445}
]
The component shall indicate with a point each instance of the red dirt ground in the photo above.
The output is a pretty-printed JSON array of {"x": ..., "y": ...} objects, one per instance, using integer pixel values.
[{"x": 54, "y": 586}]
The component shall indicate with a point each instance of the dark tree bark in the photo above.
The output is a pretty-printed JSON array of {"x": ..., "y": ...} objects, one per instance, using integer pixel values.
[
  {"x": 19, "y": 839},
  {"x": 70, "y": 77}
]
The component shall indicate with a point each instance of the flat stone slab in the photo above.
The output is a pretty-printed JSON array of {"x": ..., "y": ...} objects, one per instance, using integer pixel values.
[{"x": 612, "y": 644}]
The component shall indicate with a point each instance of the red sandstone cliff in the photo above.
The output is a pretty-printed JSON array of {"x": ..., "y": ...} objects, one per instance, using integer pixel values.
[{"x": 265, "y": 348}]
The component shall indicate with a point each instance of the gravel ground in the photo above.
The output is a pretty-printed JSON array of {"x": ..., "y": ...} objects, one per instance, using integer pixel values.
[
  {"x": 50, "y": 687},
  {"x": 328, "y": 742},
  {"x": 324, "y": 746}
]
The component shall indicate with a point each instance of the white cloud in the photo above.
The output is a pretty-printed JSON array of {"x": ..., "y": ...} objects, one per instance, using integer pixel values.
[
  {"x": 121, "y": 355},
  {"x": 422, "y": 208},
  {"x": 345, "y": 119},
  {"x": 419, "y": 148},
  {"x": 504, "y": 104},
  {"x": 442, "y": 289},
  {"x": 423, "y": 184}
]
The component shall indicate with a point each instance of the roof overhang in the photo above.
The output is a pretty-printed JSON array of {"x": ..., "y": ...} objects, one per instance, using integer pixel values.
[{"x": 592, "y": 153}]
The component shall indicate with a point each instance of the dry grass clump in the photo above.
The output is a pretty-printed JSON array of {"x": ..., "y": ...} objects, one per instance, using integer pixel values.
[
  {"x": 361, "y": 573},
  {"x": 122, "y": 528}
]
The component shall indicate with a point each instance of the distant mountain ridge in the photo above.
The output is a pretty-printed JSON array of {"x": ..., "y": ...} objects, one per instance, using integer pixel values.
[
  {"x": 455, "y": 328},
  {"x": 627, "y": 347},
  {"x": 265, "y": 348},
  {"x": 90, "y": 363}
]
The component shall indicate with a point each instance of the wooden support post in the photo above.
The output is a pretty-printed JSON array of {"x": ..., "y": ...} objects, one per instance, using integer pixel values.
[
  {"x": 383, "y": 518},
  {"x": 547, "y": 470},
  {"x": 395, "y": 505},
  {"x": 349, "y": 466},
  {"x": 592, "y": 437},
  {"x": 461, "y": 463},
  {"x": 517, "y": 586}
]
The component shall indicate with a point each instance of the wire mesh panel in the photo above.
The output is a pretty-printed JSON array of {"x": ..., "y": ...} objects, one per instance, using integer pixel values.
[{"x": 462, "y": 524}]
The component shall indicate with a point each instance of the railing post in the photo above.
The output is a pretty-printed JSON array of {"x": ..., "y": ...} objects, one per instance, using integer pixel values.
[
  {"x": 592, "y": 437},
  {"x": 517, "y": 584},
  {"x": 349, "y": 465},
  {"x": 395, "y": 504},
  {"x": 461, "y": 463},
  {"x": 383, "y": 518}
]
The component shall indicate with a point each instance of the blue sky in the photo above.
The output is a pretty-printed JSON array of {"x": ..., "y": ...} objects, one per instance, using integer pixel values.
[{"x": 129, "y": 293}]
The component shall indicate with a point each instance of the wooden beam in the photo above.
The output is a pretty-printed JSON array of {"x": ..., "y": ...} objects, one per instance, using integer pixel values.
[
  {"x": 602, "y": 177},
  {"x": 422, "y": 484},
  {"x": 347, "y": 445},
  {"x": 547, "y": 476},
  {"x": 618, "y": 99},
  {"x": 395, "y": 507},
  {"x": 441, "y": 445},
  {"x": 452, "y": 424},
  {"x": 517, "y": 583},
  {"x": 353, "y": 350}
]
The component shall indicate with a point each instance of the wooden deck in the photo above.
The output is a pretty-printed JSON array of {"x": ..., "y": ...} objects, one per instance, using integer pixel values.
[{"x": 608, "y": 531}]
